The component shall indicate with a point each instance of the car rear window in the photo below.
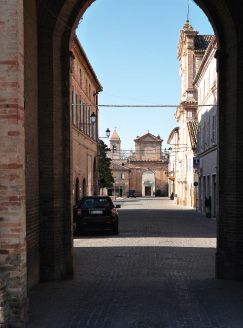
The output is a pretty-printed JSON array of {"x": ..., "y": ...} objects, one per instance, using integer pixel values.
[{"x": 95, "y": 203}]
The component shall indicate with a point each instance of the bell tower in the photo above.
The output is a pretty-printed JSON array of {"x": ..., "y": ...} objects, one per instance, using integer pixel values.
[{"x": 115, "y": 146}]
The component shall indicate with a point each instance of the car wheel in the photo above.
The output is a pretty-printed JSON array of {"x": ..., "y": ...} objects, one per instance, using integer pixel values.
[{"x": 115, "y": 229}]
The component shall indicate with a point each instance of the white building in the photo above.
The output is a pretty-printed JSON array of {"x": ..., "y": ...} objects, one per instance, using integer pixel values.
[
  {"x": 206, "y": 83},
  {"x": 173, "y": 141},
  {"x": 196, "y": 115},
  {"x": 191, "y": 50}
]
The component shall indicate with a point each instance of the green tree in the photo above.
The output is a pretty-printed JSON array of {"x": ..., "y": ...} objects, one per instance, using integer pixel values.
[{"x": 106, "y": 179}]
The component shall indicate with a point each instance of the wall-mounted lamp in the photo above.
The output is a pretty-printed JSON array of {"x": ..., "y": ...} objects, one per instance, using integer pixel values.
[
  {"x": 107, "y": 132},
  {"x": 93, "y": 117}
]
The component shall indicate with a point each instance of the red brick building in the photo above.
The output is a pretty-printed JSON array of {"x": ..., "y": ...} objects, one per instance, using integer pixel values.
[{"x": 84, "y": 133}]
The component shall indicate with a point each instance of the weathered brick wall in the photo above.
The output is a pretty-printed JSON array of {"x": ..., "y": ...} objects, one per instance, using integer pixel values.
[
  {"x": 12, "y": 159},
  {"x": 31, "y": 143},
  {"x": 82, "y": 148},
  {"x": 4, "y": 306}
]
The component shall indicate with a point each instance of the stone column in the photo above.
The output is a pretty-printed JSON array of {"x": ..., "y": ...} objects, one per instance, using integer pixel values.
[
  {"x": 229, "y": 256},
  {"x": 12, "y": 158}
]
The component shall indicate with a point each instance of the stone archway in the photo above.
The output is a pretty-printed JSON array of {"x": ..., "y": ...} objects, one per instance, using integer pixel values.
[{"x": 35, "y": 127}]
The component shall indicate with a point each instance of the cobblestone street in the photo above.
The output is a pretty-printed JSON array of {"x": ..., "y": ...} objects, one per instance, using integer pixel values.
[{"x": 157, "y": 273}]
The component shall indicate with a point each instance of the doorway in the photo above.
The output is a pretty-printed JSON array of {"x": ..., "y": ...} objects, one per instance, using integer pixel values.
[{"x": 147, "y": 191}]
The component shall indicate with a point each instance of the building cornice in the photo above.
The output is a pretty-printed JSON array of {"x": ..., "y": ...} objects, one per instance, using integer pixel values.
[{"x": 84, "y": 56}]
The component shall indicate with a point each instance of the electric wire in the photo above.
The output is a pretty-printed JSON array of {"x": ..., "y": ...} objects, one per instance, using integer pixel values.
[{"x": 144, "y": 106}]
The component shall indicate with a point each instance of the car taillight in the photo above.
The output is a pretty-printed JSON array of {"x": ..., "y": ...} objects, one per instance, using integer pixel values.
[
  {"x": 79, "y": 212},
  {"x": 114, "y": 211}
]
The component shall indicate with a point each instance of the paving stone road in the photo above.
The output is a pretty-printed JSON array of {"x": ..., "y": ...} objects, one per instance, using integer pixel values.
[{"x": 157, "y": 273}]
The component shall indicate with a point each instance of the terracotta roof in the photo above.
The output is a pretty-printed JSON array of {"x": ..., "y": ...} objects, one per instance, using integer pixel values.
[
  {"x": 115, "y": 135},
  {"x": 211, "y": 48},
  {"x": 192, "y": 129},
  {"x": 202, "y": 42}
]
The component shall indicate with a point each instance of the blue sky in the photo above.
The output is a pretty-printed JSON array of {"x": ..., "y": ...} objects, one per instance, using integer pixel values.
[{"x": 132, "y": 46}]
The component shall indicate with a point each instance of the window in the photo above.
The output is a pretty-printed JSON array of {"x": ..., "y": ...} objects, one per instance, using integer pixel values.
[
  {"x": 86, "y": 88},
  {"x": 76, "y": 110},
  {"x": 88, "y": 122},
  {"x": 122, "y": 175},
  {"x": 208, "y": 83},
  {"x": 73, "y": 108},
  {"x": 95, "y": 128},
  {"x": 204, "y": 135},
  {"x": 208, "y": 132},
  {"x": 203, "y": 141},
  {"x": 213, "y": 129},
  {"x": 189, "y": 114},
  {"x": 80, "y": 115},
  {"x": 214, "y": 76},
  {"x": 80, "y": 78},
  {"x": 89, "y": 91},
  {"x": 91, "y": 127},
  {"x": 85, "y": 118},
  {"x": 114, "y": 149}
]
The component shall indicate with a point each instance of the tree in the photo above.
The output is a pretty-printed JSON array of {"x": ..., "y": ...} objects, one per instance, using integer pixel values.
[{"x": 106, "y": 179}]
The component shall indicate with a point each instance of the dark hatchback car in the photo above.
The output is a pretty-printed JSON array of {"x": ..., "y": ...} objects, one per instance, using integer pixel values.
[
  {"x": 131, "y": 193},
  {"x": 97, "y": 212}
]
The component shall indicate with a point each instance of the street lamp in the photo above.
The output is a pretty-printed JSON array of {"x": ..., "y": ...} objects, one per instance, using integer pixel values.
[
  {"x": 107, "y": 132},
  {"x": 93, "y": 118}
]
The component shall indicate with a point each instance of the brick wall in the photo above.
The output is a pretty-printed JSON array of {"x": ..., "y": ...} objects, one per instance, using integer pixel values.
[
  {"x": 32, "y": 144},
  {"x": 12, "y": 159},
  {"x": 84, "y": 145}
]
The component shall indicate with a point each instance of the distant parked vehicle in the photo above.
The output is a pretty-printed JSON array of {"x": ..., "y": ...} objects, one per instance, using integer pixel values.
[
  {"x": 131, "y": 193},
  {"x": 97, "y": 212}
]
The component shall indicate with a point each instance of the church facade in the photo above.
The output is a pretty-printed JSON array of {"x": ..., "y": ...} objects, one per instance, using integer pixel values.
[{"x": 147, "y": 165}]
